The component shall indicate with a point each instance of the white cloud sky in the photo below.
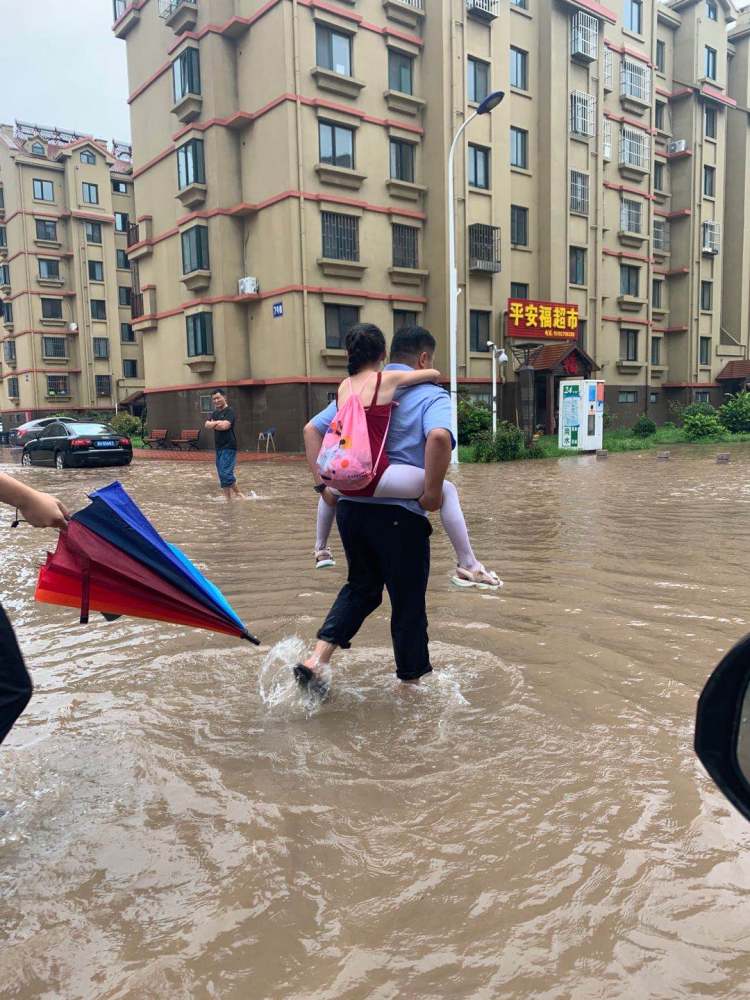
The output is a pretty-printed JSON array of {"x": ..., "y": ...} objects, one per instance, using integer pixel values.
[{"x": 61, "y": 65}]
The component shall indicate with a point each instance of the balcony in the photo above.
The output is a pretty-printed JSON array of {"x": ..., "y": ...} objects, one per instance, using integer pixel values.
[
  {"x": 485, "y": 10},
  {"x": 139, "y": 238},
  {"x": 484, "y": 249},
  {"x": 126, "y": 16},
  {"x": 143, "y": 309},
  {"x": 179, "y": 15},
  {"x": 408, "y": 13}
]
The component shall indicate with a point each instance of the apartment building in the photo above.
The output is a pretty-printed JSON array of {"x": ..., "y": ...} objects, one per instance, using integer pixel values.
[
  {"x": 290, "y": 167},
  {"x": 67, "y": 339}
]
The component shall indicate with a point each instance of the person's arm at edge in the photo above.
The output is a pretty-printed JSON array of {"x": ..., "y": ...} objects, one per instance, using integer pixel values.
[
  {"x": 40, "y": 509},
  {"x": 437, "y": 458},
  {"x": 403, "y": 380}
]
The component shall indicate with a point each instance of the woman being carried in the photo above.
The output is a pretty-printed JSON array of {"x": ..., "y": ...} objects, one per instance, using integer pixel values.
[{"x": 376, "y": 388}]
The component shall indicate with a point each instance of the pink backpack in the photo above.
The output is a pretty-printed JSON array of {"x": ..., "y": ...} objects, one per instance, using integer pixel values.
[{"x": 345, "y": 461}]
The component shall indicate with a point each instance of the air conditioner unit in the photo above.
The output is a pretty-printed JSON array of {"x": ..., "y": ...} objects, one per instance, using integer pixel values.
[
  {"x": 678, "y": 146},
  {"x": 249, "y": 286}
]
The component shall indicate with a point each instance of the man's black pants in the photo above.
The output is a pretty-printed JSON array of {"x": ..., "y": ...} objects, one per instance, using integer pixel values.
[
  {"x": 386, "y": 546},
  {"x": 15, "y": 683}
]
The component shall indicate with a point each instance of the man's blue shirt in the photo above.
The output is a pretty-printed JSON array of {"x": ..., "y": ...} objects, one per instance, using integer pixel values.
[{"x": 420, "y": 409}]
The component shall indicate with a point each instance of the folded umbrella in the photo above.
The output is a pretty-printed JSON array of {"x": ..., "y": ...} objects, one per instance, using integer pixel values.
[{"x": 111, "y": 559}]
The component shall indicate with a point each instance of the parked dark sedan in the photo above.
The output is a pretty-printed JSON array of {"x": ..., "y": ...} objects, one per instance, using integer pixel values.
[
  {"x": 18, "y": 436},
  {"x": 67, "y": 445}
]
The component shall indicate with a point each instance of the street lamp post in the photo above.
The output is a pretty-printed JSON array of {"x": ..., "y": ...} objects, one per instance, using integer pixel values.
[
  {"x": 499, "y": 357},
  {"x": 488, "y": 104}
]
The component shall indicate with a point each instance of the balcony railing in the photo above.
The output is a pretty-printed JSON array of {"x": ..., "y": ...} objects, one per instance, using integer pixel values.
[
  {"x": 486, "y": 9},
  {"x": 168, "y": 7},
  {"x": 484, "y": 248},
  {"x": 136, "y": 305},
  {"x": 119, "y": 7},
  {"x": 416, "y": 4},
  {"x": 133, "y": 234}
]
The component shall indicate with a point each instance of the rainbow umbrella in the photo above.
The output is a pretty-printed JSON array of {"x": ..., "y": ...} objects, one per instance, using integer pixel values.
[{"x": 111, "y": 559}]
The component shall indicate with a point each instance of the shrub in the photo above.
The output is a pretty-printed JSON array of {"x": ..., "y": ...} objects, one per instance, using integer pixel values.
[
  {"x": 473, "y": 418},
  {"x": 702, "y": 425},
  {"x": 692, "y": 409},
  {"x": 735, "y": 413},
  {"x": 126, "y": 424},
  {"x": 506, "y": 446},
  {"x": 644, "y": 427}
]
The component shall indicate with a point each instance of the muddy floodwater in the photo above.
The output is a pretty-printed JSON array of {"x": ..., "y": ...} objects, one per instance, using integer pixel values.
[{"x": 530, "y": 824}]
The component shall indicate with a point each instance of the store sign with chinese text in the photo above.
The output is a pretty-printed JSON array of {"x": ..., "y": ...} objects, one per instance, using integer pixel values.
[{"x": 542, "y": 320}]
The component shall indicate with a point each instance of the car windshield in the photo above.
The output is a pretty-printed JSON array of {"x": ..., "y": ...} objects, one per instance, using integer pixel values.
[{"x": 91, "y": 429}]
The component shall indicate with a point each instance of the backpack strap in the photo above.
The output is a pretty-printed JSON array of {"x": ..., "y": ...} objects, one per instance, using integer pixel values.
[{"x": 378, "y": 380}]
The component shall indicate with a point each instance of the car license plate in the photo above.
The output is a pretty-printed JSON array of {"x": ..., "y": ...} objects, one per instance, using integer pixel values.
[{"x": 105, "y": 444}]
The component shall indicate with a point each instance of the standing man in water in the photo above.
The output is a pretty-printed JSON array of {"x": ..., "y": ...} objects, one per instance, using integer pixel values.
[
  {"x": 41, "y": 511},
  {"x": 387, "y": 541},
  {"x": 222, "y": 424}
]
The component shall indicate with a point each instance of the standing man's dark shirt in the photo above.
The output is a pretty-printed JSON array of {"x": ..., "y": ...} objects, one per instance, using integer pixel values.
[{"x": 225, "y": 440}]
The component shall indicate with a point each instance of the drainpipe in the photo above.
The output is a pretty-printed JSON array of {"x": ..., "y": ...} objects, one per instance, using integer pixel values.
[{"x": 300, "y": 188}]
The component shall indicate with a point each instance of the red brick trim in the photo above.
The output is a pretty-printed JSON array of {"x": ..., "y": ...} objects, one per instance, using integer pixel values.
[
  {"x": 628, "y": 256},
  {"x": 47, "y": 293},
  {"x": 597, "y": 9},
  {"x": 670, "y": 329},
  {"x": 41, "y": 371},
  {"x": 681, "y": 213},
  {"x": 626, "y": 321},
  {"x": 629, "y": 190},
  {"x": 244, "y": 383},
  {"x": 625, "y": 51},
  {"x": 691, "y": 385},
  {"x": 135, "y": 5},
  {"x": 632, "y": 122},
  {"x": 41, "y": 252}
]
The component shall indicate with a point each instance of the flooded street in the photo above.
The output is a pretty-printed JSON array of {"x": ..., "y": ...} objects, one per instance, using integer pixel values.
[{"x": 530, "y": 823}]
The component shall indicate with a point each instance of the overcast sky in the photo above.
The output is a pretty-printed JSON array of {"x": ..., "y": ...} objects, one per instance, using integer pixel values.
[{"x": 61, "y": 65}]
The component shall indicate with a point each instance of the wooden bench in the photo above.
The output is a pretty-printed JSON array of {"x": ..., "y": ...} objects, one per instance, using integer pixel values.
[
  {"x": 157, "y": 439},
  {"x": 190, "y": 438}
]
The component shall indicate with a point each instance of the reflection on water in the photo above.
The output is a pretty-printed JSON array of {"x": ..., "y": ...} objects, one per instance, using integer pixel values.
[{"x": 530, "y": 823}]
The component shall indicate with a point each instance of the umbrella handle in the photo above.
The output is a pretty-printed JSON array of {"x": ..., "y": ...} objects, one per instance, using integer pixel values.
[{"x": 251, "y": 638}]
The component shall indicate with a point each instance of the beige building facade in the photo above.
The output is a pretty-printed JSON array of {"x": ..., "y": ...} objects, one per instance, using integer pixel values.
[
  {"x": 67, "y": 338},
  {"x": 290, "y": 168}
]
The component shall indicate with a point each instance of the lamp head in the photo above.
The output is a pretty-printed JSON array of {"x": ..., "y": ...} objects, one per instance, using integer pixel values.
[
  {"x": 490, "y": 102},
  {"x": 502, "y": 357}
]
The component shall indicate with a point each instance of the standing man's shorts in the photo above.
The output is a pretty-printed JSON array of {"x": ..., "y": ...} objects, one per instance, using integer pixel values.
[
  {"x": 226, "y": 459},
  {"x": 15, "y": 683}
]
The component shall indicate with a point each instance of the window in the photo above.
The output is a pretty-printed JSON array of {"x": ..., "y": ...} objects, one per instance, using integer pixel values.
[
  {"x": 661, "y": 57},
  {"x": 704, "y": 351},
  {"x": 339, "y": 320},
  {"x": 661, "y": 235},
  {"x": 479, "y": 80},
  {"x": 54, "y": 347},
  {"x": 635, "y": 148},
  {"x": 519, "y": 147},
  {"x": 9, "y": 351},
  {"x": 629, "y": 345},
  {"x": 702, "y": 396},
  {"x": 403, "y": 318},
  {"x": 3, "y": 237},
  {"x": 336, "y": 145},
  {"x": 633, "y": 16},
  {"x": 208, "y": 407},
  {"x": 37, "y": 149},
  {"x": 122, "y": 260},
  {"x": 103, "y": 385},
  {"x": 582, "y": 114},
  {"x": 635, "y": 81},
  {"x": 584, "y": 35},
  {"x": 659, "y": 173},
  {"x": 13, "y": 387},
  {"x": 653, "y": 397},
  {"x": 186, "y": 74},
  {"x": 577, "y": 266},
  {"x": 656, "y": 350},
  {"x": 129, "y": 368},
  {"x": 191, "y": 167},
  {"x": 340, "y": 236},
  {"x": 479, "y": 167},
  {"x": 519, "y": 290},
  {"x": 126, "y": 333},
  {"x": 121, "y": 222},
  {"x": 630, "y": 278},
  {"x": 484, "y": 248},
  {"x": 579, "y": 192},
  {"x": 479, "y": 330},
  {"x": 96, "y": 270},
  {"x": 405, "y": 246},
  {"x": 712, "y": 11},
  {"x": 124, "y": 295},
  {"x": 98, "y": 309},
  {"x": 523, "y": 4},
  {"x": 90, "y": 193},
  {"x": 101, "y": 348},
  {"x": 609, "y": 69},
  {"x": 630, "y": 216},
  {"x": 44, "y": 190},
  {"x": 195, "y": 250},
  {"x": 707, "y": 295},
  {"x": 519, "y": 68},
  {"x": 402, "y": 161},
  {"x": 660, "y": 116},
  {"x": 400, "y": 72},
  {"x": 709, "y": 181},
  {"x": 49, "y": 269},
  {"x": 657, "y": 293},
  {"x": 8, "y": 313},
  {"x": 519, "y": 226},
  {"x": 57, "y": 385},
  {"x": 606, "y": 139},
  {"x": 334, "y": 50},
  {"x": 711, "y": 237},
  {"x": 4, "y": 274},
  {"x": 52, "y": 309},
  {"x": 87, "y": 156},
  {"x": 200, "y": 334},
  {"x": 710, "y": 122},
  {"x": 711, "y": 63},
  {"x": 94, "y": 232},
  {"x": 119, "y": 187}
]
